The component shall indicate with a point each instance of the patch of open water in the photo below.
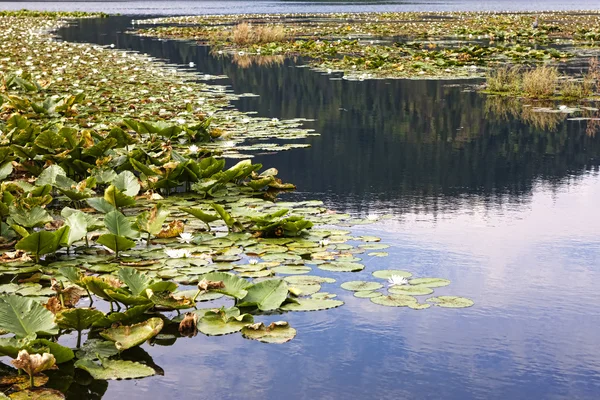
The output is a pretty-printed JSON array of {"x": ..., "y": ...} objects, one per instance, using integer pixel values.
[{"x": 504, "y": 208}]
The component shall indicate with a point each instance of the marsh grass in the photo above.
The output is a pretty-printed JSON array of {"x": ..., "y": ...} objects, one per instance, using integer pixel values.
[
  {"x": 245, "y": 34},
  {"x": 504, "y": 80},
  {"x": 540, "y": 82}
]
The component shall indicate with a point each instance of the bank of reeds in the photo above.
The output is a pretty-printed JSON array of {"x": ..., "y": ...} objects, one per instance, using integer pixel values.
[
  {"x": 543, "y": 82},
  {"x": 245, "y": 34}
]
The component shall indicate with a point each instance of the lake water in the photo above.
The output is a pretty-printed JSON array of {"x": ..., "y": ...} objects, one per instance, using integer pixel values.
[
  {"x": 242, "y": 7},
  {"x": 504, "y": 208}
]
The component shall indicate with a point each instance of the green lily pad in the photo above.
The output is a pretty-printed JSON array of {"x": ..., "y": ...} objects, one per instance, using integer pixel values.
[
  {"x": 374, "y": 246},
  {"x": 416, "y": 290},
  {"x": 451, "y": 301},
  {"x": 394, "y": 300},
  {"x": 234, "y": 285},
  {"x": 114, "y": 369},
  {"x": 303, "y": 304},
  {"x": 417, "y": 306},
  {"x": 223, "y": 321},
  {"x": 95, "y": 349},
  {"x": 128, "y": 336},
  {"x": 307, "y": 280},
  {"x": 292, "y": 269},
  {"x": 276, "y": 332},
  {"x": 37, "y": 394},
  {"x": 378, "y": 254},
  {"x": 266, "y": 295},
  {"x": 430, "y": 282},
  {"x": 387, "y": 273},
  {"x": 361, "y": 285},
  {"x": 341, "y": 267}
]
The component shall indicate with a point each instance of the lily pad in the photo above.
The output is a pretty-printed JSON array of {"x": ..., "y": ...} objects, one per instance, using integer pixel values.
[
  {"x": 114, "y": 369},
  {"x": 292, "y": 269},
  {"x": 416, "y": 290},
  {"x": 394, "y": 300},
  {"x": 223, "y": 321},
  {"x": 128, "y": 336},
  {"x": 430, "y": 282},
  {"x": 303, "y": 304},
  {"x": 234, "y": 285},
  {"x": 307, "y": 280},
  {"x": 276, "y": 332},
  {"x": 37, "y": 394},
  {"x": 361, "y": 285},
  {"x": 341, "y": 267},
  {"x": 451, "y": 301}
]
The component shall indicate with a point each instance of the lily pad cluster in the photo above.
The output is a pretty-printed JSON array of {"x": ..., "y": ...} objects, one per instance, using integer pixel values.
[
  {"x": 403, "y": 292},
  {"x": 391, "y": 45}
]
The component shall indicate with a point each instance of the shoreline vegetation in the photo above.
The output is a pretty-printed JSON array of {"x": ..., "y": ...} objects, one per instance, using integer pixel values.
[
  {"x": 408, "y": 45},
  {"x": 120, "y": 190}
]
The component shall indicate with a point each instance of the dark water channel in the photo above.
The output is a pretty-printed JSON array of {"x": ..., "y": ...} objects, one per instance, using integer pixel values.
[{"x": 502, "y": 201}]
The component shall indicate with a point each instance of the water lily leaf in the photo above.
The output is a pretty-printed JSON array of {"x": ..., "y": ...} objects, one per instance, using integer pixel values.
[
  {"x": 115, "y": 243},
  {"x": 38, "y": 243},
  {"x": 49, "y": 174},
  {"x": 378, "y": 254},
  {"x": 266, "y": 295},
  {"x": 114, "y": 369},
  {"x": 276, "y": 332},
  {"x": 416, "y": 290},
  {"x": 394, "y": 300},
  {"x": 77, "y": 224},
  {"x": 232, "y": 223},
  {"x": 234, "y": 285},
  {"x": 223, "y": 321},
  {"x": 341, "y": 266},
  {"x": 307, "y": 280},
  {"x": 369, "y": 238},
  {"x": 95, "y": 349},
  {"x": 12, "y": 346},
  {"x": 416, "y": 306},
  {"x": 387, "y": 273},
  {"x": 37, "y": 216},
  {"x": 127, "y": 183},
  {"x": 374, "y": 246},
  {"x": 152, "y": 221},
  {"x": 135, "y": 281},
  {"x": 25, "y": 317},
  {"x": 430, "y": 282},
  {"x": 292, "y": 269},
  {"x": 132, "y": 315},
  {"x": 201, "y": 215},
  {"x": 128, "y": 336},
  {"x": 304, "y": 290},
  {"x": 119, "y": 225},
  {"x": 100, "y": 204},
  {"x": 5, "y": 170},
  {"x": 366, "y": 294},
  {"x": 451, "y": 301},
  {"x": 311, "y": 305},
  {"x": 170, "y": 301},
  {"x": 361, "y": 285},
  {"x": 78, "y": 318},
  {"x": 117, "y": 198}
]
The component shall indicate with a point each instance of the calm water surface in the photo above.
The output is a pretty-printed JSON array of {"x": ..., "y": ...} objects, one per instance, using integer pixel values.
[
  {"x": 479, "y": 193},
  {"x": 273, "y": 6}
]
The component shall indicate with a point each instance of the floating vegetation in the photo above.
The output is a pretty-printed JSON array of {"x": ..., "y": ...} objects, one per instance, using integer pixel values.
[
  {"x": 118, "y": 188},
  {"x": 389, "y": 45}
]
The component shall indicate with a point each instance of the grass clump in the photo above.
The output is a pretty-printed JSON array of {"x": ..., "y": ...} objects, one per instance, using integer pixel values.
[
  {"x": 540, "y": 82},
  {"x": 245, "y": 34},
  {"x": 504, "y": 80}
]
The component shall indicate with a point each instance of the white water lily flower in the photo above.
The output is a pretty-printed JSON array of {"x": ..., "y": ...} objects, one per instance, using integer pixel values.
[
  {"x": 178, "y": 253},
  {"x": 372, "y": 217},
  {"x": 180, "y": 121},
  {"x": 397, "y": 280},
  {"x": 185, "y": 237},
  {"x": 562, "y": 107},
  {"x": 191, "y": 64},
  {"x": 193, "y": 149},
  {"x": 246, "y": 120},
  {"x": 253, "y": 261},
  {"x": 323, "y": 242}
]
